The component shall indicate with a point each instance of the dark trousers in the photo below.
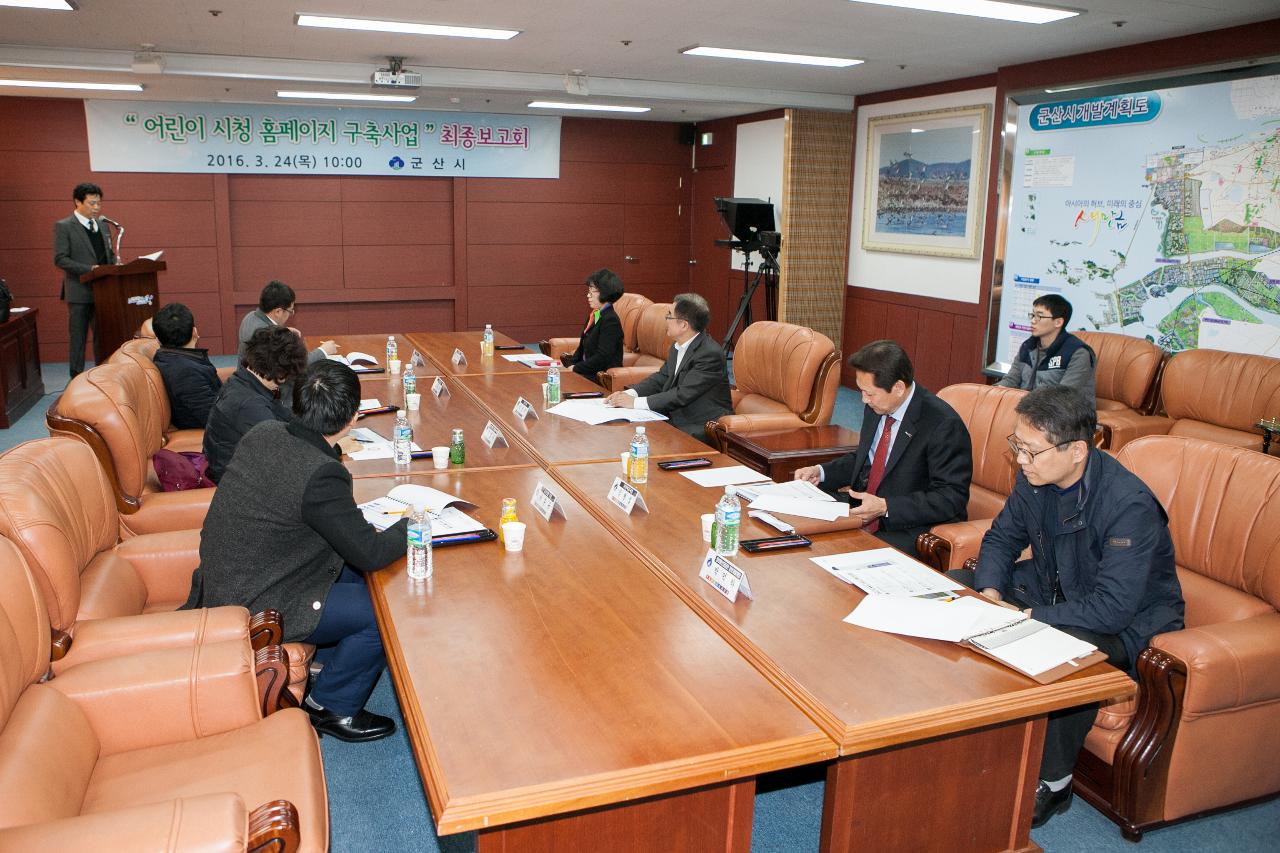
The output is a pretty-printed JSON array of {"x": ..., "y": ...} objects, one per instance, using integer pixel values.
[
  {"x": 348, "y": 636},
  {"x": 903, "y": 540},
  {"x": 81, "y": 317},
  {"x": 1067, "y": 729}
]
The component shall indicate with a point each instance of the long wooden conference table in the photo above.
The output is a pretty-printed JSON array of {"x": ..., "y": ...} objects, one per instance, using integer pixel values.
[{"x": 592, "y": 693}]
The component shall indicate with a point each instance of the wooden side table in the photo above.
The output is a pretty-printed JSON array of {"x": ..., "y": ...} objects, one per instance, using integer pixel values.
[
  {"x": 779, "y": 453},
  {"x": 21, "y": 385},
  {"x": 1270, "y": 429}
]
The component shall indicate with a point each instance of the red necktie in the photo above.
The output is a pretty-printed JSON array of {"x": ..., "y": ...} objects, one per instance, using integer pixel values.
[{"x": 877, "y": 467}]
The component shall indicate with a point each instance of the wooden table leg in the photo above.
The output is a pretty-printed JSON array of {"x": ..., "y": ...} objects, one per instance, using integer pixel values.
[
  {"x": 715, "y": 819},
  {"x": 968, "y": 793}
]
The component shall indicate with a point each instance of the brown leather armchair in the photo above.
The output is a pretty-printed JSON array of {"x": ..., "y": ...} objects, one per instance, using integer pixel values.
[
  {"x": 1209, "y": 394},
  {"x": 652, "y": 345},
  {"x": 1127, "y": 378},
  {"x": 988, "y": 412},
  {"x": 110, "y": 408},
  {"x": 1204, "y": 729},
  {"x": 785, "y": 376},
  {"x": 155, "y": 751},
  {"x": 56, "y": 507},
  {"x": 629, "y": 307},
  {"x": 139, "y": 352}
]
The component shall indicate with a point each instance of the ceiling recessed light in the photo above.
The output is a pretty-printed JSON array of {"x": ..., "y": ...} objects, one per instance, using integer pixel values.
[
  {"x": 53, "y": 84},
  {"x": 336, "y": 23},
  {"x": 349, "y": 96},
  {"x": 768, "y": 56},
  {"x": 1019, "y": 12},
  {"x": 56, "y": 5},
  {"x": 606, "y": 108}
]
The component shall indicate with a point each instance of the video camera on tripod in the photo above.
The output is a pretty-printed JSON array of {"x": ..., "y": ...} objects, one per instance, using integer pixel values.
[{"x": 750, "y": 221}]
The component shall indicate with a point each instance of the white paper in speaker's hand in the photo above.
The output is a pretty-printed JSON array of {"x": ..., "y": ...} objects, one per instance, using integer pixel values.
[
  {"x": 731, "y": 476},
  {"x": 886, "y": 571},
  {"x": 154, "y": 256},
  {"x": 821, "y": 510},
  {"x": 928, "y": 618}
]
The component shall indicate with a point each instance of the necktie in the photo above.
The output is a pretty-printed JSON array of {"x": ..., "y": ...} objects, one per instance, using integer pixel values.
[
  {"x": 877, "y": 467},
  {"x": 93, "y": 226}
]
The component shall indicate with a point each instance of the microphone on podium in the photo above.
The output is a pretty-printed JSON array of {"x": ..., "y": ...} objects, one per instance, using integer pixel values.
[{"x": 119, "y": 234}]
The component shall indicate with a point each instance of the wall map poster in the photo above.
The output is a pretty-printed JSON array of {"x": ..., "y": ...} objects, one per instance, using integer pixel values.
[{"x": 1155, "y": 213}]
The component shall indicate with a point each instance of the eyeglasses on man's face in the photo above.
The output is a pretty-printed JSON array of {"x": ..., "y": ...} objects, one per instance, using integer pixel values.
[
  {"x": 1020, "y": 450},
  {"x": 1033, "y": 316}
]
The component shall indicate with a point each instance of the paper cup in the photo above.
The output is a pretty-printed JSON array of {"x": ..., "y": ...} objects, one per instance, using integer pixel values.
[
  {"x": 513, "y": 535},
  {"x": 626, "y": 463},
  {"x": 440, "y": 457},
  {"x": 412, "y": 401},
  {"x": 707, "y": 520},
  {"x": 394, "y": 366}
]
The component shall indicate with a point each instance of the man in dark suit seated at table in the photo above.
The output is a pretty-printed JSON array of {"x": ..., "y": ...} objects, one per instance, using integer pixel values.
[
  {"x": 190, "y": 379},
  {"x": 692, "y": 387},
  {"x": 284, "y": 532},
  {"x": 914, "y": 461}
]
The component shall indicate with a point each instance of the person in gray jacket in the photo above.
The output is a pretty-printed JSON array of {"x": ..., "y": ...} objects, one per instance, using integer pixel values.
[
  {"x": 276, "y": 306},
  {"x": 1052, "y": 355},
  {"x": 692, "y": 387},
  {"x": 81, "y": 244}
]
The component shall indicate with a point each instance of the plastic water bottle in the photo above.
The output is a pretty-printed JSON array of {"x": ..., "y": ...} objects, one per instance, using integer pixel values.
[
  {"x": 393, "y": 351},
  {"x": 486, "y": 342},
  {"x": 553, "y": 383},
  {"x": 419, "y": 548},
  {"x": 638, "y": 465},
  {"x": 724, "y": 536},
  {"x": 410, "y": 380},
  {"x": 402, "y": 441}
]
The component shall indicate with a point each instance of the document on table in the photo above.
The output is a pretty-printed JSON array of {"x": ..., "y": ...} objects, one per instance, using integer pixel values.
[
  {"x": 356, "y": 360},
  {"x": 886, "y": 571},
  {"x": 1032, "y": 647},
  {"x": 734, "y": 475},
  {"x": 932, "y": 619},
  {"x": 529, "y": 359},
  {"x": 384, "y": 512},
  {"x": 383, "y": 450},
  {"x": 802, "y": 489},
  {"x": 596, "y": 412},
  {"x": 366, "y": 435},
  {"x": 821, "y": 510}
]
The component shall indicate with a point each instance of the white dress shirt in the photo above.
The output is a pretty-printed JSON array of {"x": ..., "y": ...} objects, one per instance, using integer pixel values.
[
  {"x": 897, "y": 414},
  {"x": 643, "y": 402}
]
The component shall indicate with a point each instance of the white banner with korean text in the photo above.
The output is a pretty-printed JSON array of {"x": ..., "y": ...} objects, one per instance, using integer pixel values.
[{"x": 286, "y": 139}]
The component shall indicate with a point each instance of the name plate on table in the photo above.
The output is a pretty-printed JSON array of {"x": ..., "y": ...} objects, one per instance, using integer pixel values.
[
  {"x": 458, "y": 358},
  {"x": 417, "y": 360},
  {"x": 728, "y": 579},
  {"x": 625, "y": 496},
  {"x": 439, "y": 389},
  {"x": 546, "y": 503},
  {"x": 493, "y": 437},
  {"x": 524, "y": 409}
]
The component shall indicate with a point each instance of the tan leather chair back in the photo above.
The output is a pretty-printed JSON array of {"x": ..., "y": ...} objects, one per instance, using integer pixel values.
[
  {"x": 1125, "y": 368},
  {"x": 1224, "y": 517},
  {"x": 629, "y": 307},
  {"x": 988, "y": 412},
  {"x": 1219, "y": 396},
  {"x": 784, "y": 362},
  {"x": 141, "y": 352},
  {"x": 24, "y": 631},
  {"x": 651, "y": 330},
  {"x": 113, "y": 400},
  {"x": 57, "y": 507}
]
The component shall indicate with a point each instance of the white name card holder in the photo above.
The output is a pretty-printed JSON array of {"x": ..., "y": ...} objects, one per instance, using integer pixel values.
[
  {"x": 417, "y": 360},
  {"x": 625, "y": 496},
  {"x": 459, "y": 359},
  {"x": 728, "y": 579},
  {"x": 524, "y": 409},
  {"x": 439, "y": 389},
  {"x": 493, "y": 437},
  {"x": 546, "y": 503}
]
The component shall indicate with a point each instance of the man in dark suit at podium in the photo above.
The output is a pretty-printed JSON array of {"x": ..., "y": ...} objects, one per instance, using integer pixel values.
[{"x": 82, "y": 243}]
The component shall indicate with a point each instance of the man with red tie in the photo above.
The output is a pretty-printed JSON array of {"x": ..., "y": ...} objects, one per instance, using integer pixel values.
[{"x": 914, "y": 461}]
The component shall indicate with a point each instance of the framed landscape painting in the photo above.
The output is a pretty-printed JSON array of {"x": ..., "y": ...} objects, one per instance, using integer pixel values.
[{"x": 926, "y": 182}]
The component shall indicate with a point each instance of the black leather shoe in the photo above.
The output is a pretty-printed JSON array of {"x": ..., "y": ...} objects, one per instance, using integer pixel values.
[
  {"x": 364, "y": 726},
  {"x": 1050, "y": 803}
]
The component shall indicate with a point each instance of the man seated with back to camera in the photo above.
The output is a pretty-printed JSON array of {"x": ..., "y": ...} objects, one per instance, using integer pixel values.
[
  {"x": 284, "y": 532},
  {"x": 1101, "y": 566},
  {"x": 914, "y": 461},
  {"x": 692, "y": 386},
  {"x": 273, "y": 357},
  {"x": 190, "y": 379}
]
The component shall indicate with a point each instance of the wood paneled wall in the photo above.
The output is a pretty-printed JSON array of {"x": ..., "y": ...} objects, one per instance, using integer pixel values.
[
  {"x": 365, "y": 254},
  {"x": 947, "y": 339}
]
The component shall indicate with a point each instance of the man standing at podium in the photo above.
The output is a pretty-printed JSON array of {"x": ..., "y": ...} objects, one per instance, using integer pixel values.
[{"x": 82, "y": 243}]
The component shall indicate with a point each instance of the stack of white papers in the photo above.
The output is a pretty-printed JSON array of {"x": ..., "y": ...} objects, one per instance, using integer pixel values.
[
  {"x": 711, "y": 478},
  {"x": 935, "y": 620},
  {"x": 385, "y": 511},
  {"x": 529, "y": 359},
  {"x": 595, "y": 411},
  {"x": 887, "y": 571}
]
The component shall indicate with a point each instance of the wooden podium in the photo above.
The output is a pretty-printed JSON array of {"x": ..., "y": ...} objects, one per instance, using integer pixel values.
[{"x": 124, "y": 295}]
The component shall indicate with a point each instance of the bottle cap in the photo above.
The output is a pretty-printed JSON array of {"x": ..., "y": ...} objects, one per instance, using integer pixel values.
[
  {"x": 731, "y": 490},
  {"x": 639, "y": 430}
]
